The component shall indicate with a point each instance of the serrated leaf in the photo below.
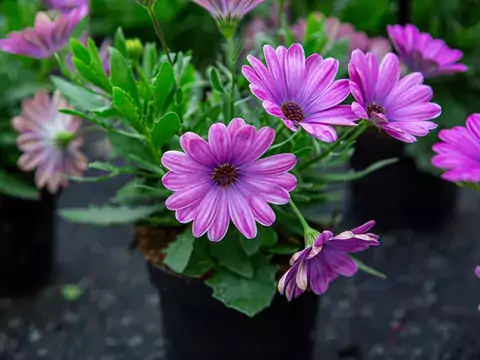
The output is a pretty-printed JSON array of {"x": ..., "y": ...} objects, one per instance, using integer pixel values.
[
  {"x": 215, "y": 81},
  {"x": 164, "y": 129},
  {"x": 125, "y": 106},
  {"x": 108, "y": 215},
  {"x": 178, "y": 252},
  {"x": 369, "y": 270},
  {"x": 229, "y": 253},
  {"x": 163, "y": 85},
  {"x": 248, "y": 296},
  {"x": 78, "y": 96},
  {"x": 121, "y": 76},
  {"x": 119, "y": 42},
  {"x": 14, "y": 186}
]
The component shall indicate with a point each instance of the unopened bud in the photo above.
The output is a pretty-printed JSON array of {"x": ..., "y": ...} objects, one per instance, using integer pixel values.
[{"x": 134, "y": 48}]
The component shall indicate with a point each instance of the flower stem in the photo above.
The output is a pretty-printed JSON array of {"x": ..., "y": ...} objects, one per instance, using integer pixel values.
[
  {"x": 297, "y": 212},
  {"x": 231, "y": 63},
  {"x": 158, "y": 30},
  {"x": 279, "y": 129},
  {"x": 276, "y": 146},
  {"x": 348, "y": 136},
  {"x": 63, "y": 67}
]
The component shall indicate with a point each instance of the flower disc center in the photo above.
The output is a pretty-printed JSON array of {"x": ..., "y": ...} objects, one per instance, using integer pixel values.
[
  {"x": 225, "y": 175},
  {"x": 292, "y": 111},
  {"x": 374, "y": 109}
]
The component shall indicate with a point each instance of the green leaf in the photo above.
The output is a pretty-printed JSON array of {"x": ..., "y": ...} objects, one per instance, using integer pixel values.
[
  {"x": 78, "y": 96},
  {"x": 283, "y": 249},
  {"x": 250, "y": 246},
  {"x": 71, "y": 292},
  {"x": 135, "y": 192},
  {"x": 215, "y": 81},
  {"x": 121, "y": 75},
  {"x": 368, "y": 269},
  {"x": 12, "y": 185},
  {"x": 306, "y": 151},
  {"x": 164, "y": 129},
  {"x": 163, "y": 85},
  {"x": 267, "y": 235},
  {"x": 96, "y": 66},
  {"x": 93, "y": 179},
  {"x": 119, "y": 42},
  {"x": 248, "y": 296},
  {"x": 149, "y": 60},
  {"x": 200, "y": 262},
  {"x": 149, "y": 166},
  {"x": 79, "y": 51},
  {"x": 108, "y": 215},
  {"x": 179, "y": 252},
  {"x": 126, "y": 146},
  {"x": 355, "y": 175},
  {"x": 82, "y": 115},
  {"x": 125, "y": 106},
  {"x": 179, "y": 97},
  {"x": 230, "y": 254}
]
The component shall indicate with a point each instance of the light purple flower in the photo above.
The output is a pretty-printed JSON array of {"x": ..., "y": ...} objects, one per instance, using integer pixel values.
[
  {"x": 65, "y": 5},
  {"x": 422, "y": 53},
  {"x": 46, "y": 37},
  {"x": 223, "y": 179},
  {"x": 400, "y": 107},
  {"x": 459, "y": 153},
  {"x": 301, "y": 92},
  {"x": 228, "y": 10},
  {"x": 319, "y": 264},
  {"x": 50, "y": 141}
]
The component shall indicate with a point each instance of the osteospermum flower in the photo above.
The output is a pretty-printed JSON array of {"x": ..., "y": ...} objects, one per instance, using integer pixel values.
[
  {"x": 301, "y": 92},
  {"x": 459, "y": 153},
  {"x": 47, "y": 37},
  {"x": 400, "y": 107},
  {"x": 228, "y": 12},
  {"x": 420, "y": 52},
  {"x": 318, "y": 265},
  {"x": 50, "y": 141},
  {"x": 65, "y": 5},
  {"x": 223, "y": 179}
]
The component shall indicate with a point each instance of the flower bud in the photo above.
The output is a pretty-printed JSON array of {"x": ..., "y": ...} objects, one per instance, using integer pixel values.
[{"x": 134, "y": 48}]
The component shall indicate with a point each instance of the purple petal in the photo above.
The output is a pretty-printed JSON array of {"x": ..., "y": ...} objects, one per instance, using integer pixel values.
[
  {"x": 174, "y": 181},
  {"x": 319, "y": 78},
  {"x": 271, "y": 165},
  {"x": 200, "y": 151},
  {"x": 416, "y": 112},
  {"x": 241, "y": 214},
  {"x": 388, "y": 76},
  {"x": 187, "y": 214},
  {"x": 286, "y": 180},
  {"x": 262, "y": 212},
  {"x": 473, "y": 125},
  {"x": 219, "y": 228},
  {"x": 188, "y": 196},
  {"x": 276, "y": 67},
  {"x": 359, "y": 111},
  {"x": 322, "y": 132},
  {"x": 323, "y": 238},
  {"x": 241, "y": 143},
  {"x": 181, "y": 163},
  {"x": 334, "y": 95},
  {"x": 302, "y": 275},
  {"x": 319, "y": 279},
  {"x": 270, "y": 192},
  {"x": 294, "y": 70},
  {"x": 206, "y": 214},
  {"x": 340, "y": 262},
  {"x": 235, "y": 125},
  {"x": 417, "y": 94},
  {"x": 272, "y": 109},
  {"x": 262, "y": 141},
  {"x": 364, "y": 228},
  {"x": 400, "y": 136},
  {"x": 220, "y": 142},
  {"x": 265, "y": 76}
]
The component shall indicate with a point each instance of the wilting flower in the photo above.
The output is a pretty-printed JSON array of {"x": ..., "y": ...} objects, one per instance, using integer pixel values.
[
  {"x": 223, "y": 179},
  {"x": 228, "y": 12},
  {"x": 47, "y": 37},
  {"x": 301, "y": 92},
  {"x": 400, "y": 107},
  {"x": 420, "y": 52},
  {"x": 50, "y": 141},
  {"x": 459, "y": 153},
  {"x": 319, "y": 264},
  {"x": 65, "y": 5}
]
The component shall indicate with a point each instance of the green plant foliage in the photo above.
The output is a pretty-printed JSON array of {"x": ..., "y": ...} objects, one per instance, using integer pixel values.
[{"x": 179, "y": 252}]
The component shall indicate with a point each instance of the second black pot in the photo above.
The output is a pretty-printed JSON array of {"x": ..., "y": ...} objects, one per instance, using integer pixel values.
[
  {"x": 398, "y": 196},
  {"x": 197, "y": 326},
  {"x": 27, "y": 245}
]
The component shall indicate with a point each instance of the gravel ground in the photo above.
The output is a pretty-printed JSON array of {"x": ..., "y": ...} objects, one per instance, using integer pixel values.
[{"x": 431, "y": 296}]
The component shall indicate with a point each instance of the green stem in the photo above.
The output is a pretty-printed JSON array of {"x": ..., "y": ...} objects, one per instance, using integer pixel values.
[
  {"x": 231, "y": 62},
  {"x": 158, "y": 30},
  {"x": 276, "y": 146},
  {"x": 350, "y": 135},
  {"x": 279, "y": 129},
  {"x": 297, "y": 212}
]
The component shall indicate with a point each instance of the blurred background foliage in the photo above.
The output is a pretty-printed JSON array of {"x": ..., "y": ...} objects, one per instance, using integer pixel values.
[{"x": 188, "y": 26}]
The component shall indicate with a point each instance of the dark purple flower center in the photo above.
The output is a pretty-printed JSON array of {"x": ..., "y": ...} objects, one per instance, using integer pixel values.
[
  {"x": 375, "y": 109},
  {"x": 292, "y": 111},
  {"x": 225, "y": 175}
]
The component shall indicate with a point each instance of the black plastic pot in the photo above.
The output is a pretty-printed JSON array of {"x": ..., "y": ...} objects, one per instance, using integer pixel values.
[
  {"x": 196, "y": 326},
  {"x": 26, "y": 245},
  {"x": 398, "y": 196}
]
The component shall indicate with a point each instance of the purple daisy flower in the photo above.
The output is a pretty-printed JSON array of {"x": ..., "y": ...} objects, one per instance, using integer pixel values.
[
  {"x": 319, "y": 264},
  {"x": 459, "y": 153},
  {"x": 302, "y": 92},
  {"x": 223, "y": 179},
  {"x": 65, "y": 5},
  {"x": 400, "y": 107},
  {"x": 422, "y": 53},
  {"x": 47, "y": 37},
  {"x": 228, "y": 10},
  {"x": 50, "y": 141}
]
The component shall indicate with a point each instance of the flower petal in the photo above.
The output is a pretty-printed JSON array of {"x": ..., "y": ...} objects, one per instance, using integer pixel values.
[
  {"x": 271, "y": 165},
  {"x": 220, "y": 142},
  {"x": 182, "y": 163},
  {"x": 188, "y": 196},
  {"x": 241, "y": 213},
  {"x": 206, "y": 214},
  {"x": 219, "y": 228}
]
